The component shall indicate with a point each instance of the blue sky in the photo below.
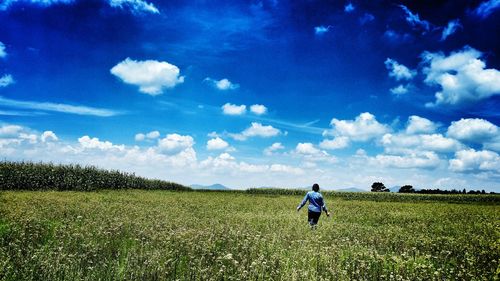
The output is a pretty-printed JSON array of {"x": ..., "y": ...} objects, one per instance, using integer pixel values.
[{"x": 256, "y": 93}]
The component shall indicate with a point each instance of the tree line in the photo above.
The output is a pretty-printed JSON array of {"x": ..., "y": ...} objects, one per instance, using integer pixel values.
[{"x": 380, "y": 187}]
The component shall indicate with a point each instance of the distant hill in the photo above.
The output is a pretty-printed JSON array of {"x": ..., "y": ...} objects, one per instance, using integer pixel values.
[
  {"x": 351, "y": 189},
  {"x": 216, "y": 186}
]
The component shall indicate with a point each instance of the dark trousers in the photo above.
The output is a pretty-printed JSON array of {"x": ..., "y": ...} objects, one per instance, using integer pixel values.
[{"x": 313, "y": 217}]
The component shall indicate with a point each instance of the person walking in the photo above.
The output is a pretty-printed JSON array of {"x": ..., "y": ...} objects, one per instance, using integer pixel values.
[{"x": 316, "y": 205}]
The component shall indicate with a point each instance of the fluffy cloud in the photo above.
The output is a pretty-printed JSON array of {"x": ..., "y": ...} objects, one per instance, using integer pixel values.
[
  {"x": 233, "y": 109},
  {"x": 320, "y": 30},
  {"x": 273, "y": 148},
  {"x": 425, "y": 160},
  {"x": 311, "y": 153},
  {"x": 486, "y": 8},
  {"x": 363, "y": 128},
  {"x": 473, "y": 130},
  {"x": 418, "y": 125},
  {"x": 94, "y": 143},
  {"x": 151, "y": 76},
  {"x": 256, "y": 130},
  {"x": 398, "y": 71},
  {"x": 217, "y": 144},
  {"x": 6, "y": 80},
  {"x": 136, "y": 6},
  {"x": 336, "y": 143},
  {"x": 258, "y": 109},
  {"x": 403, "y": 143},
  {"x": 451, "y": 28},
  {"x": 175, "y": 143},
  {"x": 461, "y": 75},
  {"x": 399, "y": 90},
  {"x": 223, "y": 84},
  {"x": 414, "y": 19},
  {"x": 48, "y": 136},
  {"x": 349, "y": 7},
  {"x": 3, "y": 53},
  {"x": 475, "y": 161},
  {"x": 151, "y": 135}
]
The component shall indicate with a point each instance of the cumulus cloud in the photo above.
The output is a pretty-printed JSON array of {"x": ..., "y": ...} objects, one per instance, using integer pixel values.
[
  {"x": 3, "y": 53},
  {"x": 59, "y": 107},
  {"x": 425, "y": 160},
  {"x": 151, "y": 76},
  {"x": 404, "y": 143},
  {"x": 256, "y": 130},
  {"x": 398, "y": 71},
  {"x": 486, "y": 8},
  {"x": 270, "y": 150},
  {"x": 258, "y": 109},
  {"x": 399, "y": 90},
  {"x": 349, "y": 7},
  {"x": 151, "y": 135},
  {"x": 419, "y": 125},
  {"x": 223, "y": 84},
  {"x": 414, "y": 19},
  {"x": 217, "y": 144},
  {"x": 473, "y": 130},
  {"x": 10, "y": 130},
  {"x": 48, "y": 136},
  {"x": 233, "y": 109},
  {"x": 94, "y": 143},
  {"x": 320, "y": 30},
  {"x": 311, "y": 153},
  {"x": 462, "y": 77},
  {"x": 363, "y": 128},
  {"x": 6, "y": 80},
  {"x": 136, "y": 6},
  {"x": 175, "y": 143},
  {"x": 470, "y": 160},
  {"x": 451, "y": 28},
  {"x": 336, "y": 143},
  {"x": 140, "y": 137}
]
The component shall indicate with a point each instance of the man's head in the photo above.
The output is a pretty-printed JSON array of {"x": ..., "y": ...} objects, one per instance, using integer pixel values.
[{"x": 316, "y": 187}]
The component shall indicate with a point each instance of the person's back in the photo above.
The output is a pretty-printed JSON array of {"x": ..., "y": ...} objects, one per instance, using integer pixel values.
[{"x": 316, "y": 205}]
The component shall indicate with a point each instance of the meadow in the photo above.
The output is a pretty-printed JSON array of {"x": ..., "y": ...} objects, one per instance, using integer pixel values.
[{"x": 174, "y": 235}]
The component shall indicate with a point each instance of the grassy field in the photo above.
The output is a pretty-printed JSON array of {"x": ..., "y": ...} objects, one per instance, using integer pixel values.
[{"x": 167, "y": 235}]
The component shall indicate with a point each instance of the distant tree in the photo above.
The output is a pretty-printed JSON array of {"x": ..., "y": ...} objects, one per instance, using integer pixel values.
[
  {"x": 463, "y": 191},
  {"x": 406, "y": 189},
  {"x": 379, "y": 187},
  {"x": 483, "y": 192}
]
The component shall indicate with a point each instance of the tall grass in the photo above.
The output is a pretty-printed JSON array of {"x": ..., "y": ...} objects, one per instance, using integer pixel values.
[{"x": 43, "y": 176}]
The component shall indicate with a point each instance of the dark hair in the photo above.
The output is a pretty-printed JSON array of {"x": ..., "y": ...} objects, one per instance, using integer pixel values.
[{"x": 316, "y": 187}]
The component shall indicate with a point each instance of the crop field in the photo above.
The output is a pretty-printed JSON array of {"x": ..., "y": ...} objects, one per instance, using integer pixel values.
[{"x": 169, "y": 235}]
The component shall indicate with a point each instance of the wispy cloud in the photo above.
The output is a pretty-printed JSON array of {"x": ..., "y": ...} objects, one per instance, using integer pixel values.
[
  {"x": 6, "y": 80},
  {"x": 451, "y": 28},
  {"x": 59, "y": 107},
  {"x": 136, "y": 6},
  {"x": 320, "y": 30},
  {"x": 414, "y": 19},
  {"x": 486, "y": 8},
  {"x": 3, "y": 53}
]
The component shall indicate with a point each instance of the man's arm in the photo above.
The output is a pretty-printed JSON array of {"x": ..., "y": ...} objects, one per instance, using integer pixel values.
[
  {"x": 324, "y": 207},
  {"x": 303, "y": 202}
]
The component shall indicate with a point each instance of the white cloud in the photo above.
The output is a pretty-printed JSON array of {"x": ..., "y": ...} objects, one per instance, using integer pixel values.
[
  {"x": 365, "y": 18},
  {"x": 473, "y": 130},
  {"x": 48, "y": 136},
  {"x": 414, "y": 19},
  {"x": 311, "y": 153},
  {"x": 462, "y": 77},
  {"x": 403, "y": 143},
  {"x": 451, "y": 28},
  {"x": 280, "y": 168},
  {"x": 349, "y": 7},
  {"x": 486, "y": 8},
  {"x": 258, "y": 109},
  {"x": 256, "y": 130},
  {"x": 273, "y": 148},
  {"x": 223, "y": 84},
  {"x": 137, "y": 6},
  {"x": 150, "y": 75},
  {"x": 59, "y": 107},
  {"x": 475, "y": 161},
  {"x": 320, "y": 30},
  {"x": 233, "y": 109},
  {"x": 425, "y": 160},
  {"x": 3, "y": 53},
  {"x": 217, "y": 144},
  {"x": 175, "y": 143},
  {"x": 94, "y": 143},
  {"x": 398, "y": 71},
  {"x": 418, "y": 125},
  {"x": 151, "y": 135},
  {"x": 363, "y": 128},
  {"x": 336, "y": 143},
  {"x": 399, "y": 90},
  {"x": 10, "y": 130},
  {"x": 6, "y": 80},
  {"x": 140, "y": 137}
]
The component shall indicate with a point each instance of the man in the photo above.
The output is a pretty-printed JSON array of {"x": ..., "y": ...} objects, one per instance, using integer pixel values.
[{"x": 316, "y": 204}]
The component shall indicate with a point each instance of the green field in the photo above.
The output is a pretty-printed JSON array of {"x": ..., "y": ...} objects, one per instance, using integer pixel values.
[{"x": 168, "y": 235}]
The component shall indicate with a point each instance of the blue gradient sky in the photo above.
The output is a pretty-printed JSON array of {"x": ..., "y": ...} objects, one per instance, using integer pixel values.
[{"x": 352, "y": 92}]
